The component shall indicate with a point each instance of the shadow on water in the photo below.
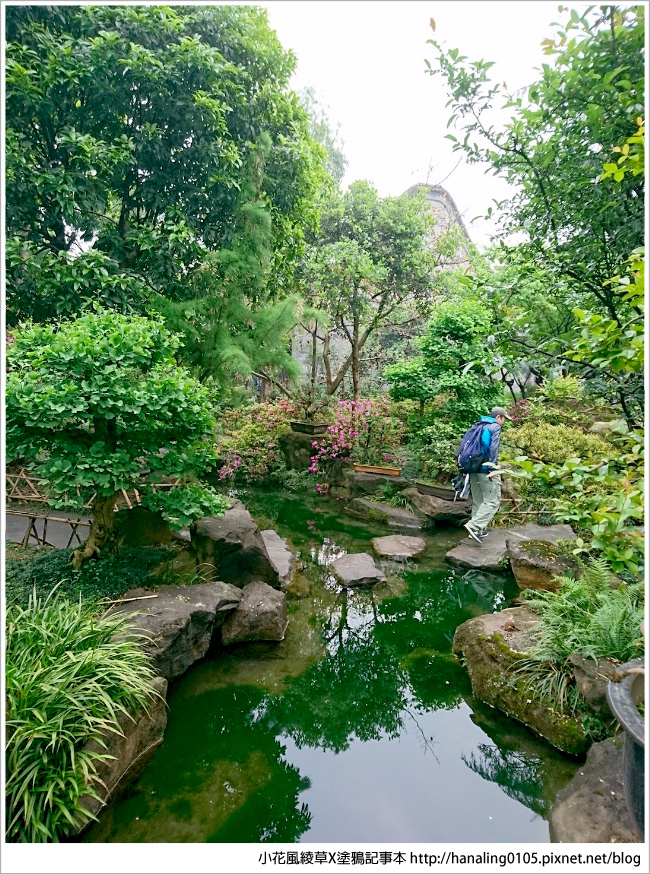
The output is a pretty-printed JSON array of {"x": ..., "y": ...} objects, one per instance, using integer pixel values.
[{"x": 360, "y": 725}]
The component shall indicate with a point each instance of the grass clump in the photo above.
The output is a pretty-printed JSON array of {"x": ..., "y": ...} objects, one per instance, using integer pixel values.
[
  {"x": 108, "y": 578},
  {"x": 585, "y": 616},
  {"x": 69, "y": 676}
]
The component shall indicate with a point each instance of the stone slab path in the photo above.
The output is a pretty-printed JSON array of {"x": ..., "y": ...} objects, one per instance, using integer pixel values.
[{"x": 489, "y": 555}]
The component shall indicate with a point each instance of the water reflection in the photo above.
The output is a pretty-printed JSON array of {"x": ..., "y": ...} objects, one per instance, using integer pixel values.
[
  {"x": 256, "y": 732},
  {"x": 527, "y": 769}
]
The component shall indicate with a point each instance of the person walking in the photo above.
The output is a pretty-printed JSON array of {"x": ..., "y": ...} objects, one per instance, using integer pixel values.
[{"x": 486, "y": 490}]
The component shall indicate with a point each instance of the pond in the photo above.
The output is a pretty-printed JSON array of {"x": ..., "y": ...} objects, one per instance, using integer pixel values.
[{"x": 360, "y": 726}]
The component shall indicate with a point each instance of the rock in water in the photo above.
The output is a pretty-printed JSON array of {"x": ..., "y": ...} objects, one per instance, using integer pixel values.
[
  {"x": 536, "y": 564},
  {"x": 234, "y": 547},
  {"x": 591, "y": 809},
  {"x": 358, "y": 569},
  {"x": 261, "y": 615},
  {"x": 179, "y": 621},
  {"x": 399, "y": 546},
  {"x": 491, "y": 646},
  {"x": 491, "y": 554},
  {"x": 281, "y": 557},
  {"x": 129, "y": 748}
]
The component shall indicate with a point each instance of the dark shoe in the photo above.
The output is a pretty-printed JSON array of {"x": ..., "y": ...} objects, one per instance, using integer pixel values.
[
  {"x": 484, "y": 532},
  {"x": 472, "y": 533}
]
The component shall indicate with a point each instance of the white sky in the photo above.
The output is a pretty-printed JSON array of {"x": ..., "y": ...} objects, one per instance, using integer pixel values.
[{"x": 366, "y": 62}]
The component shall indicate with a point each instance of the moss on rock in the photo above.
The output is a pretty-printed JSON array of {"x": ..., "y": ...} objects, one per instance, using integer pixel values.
[{"x": 490, "y": 646}]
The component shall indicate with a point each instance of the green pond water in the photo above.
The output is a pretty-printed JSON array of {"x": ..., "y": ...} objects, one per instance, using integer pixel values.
[{"x": 359, "y": 727}]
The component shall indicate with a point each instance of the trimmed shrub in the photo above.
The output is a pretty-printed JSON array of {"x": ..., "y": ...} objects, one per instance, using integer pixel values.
[{"x": 555, "y": 443}]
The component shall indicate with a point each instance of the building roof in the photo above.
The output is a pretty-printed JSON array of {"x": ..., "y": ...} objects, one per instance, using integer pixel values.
[{"x": 441, "y": 202}]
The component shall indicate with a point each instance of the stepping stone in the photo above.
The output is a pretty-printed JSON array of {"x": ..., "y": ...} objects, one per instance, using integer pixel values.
[
  {"x": 398, "y": 546},
  {"x": 394, "y": 517},
  {"x": 358, "y": 569},
  {"x": 490, "y": 554},
  {"x": 280, "y": 556}
]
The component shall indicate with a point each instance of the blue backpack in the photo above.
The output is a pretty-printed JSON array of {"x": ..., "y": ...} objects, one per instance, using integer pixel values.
[{"x": 470, "y": 453}]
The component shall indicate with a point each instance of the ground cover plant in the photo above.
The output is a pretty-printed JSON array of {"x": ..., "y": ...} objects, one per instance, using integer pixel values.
[
  {"x": 585, "y": 616},
  {"x": 38, "y": 570},
  {"x": 69, "y": 675}
]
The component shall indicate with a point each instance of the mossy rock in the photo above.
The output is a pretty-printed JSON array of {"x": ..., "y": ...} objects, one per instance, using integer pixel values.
[
  {"x": 536, "y": 564},
  {"x": 490, "y": 646}
]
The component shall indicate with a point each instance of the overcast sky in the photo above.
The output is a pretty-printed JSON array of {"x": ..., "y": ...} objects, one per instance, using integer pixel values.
[{"x": 366, "y": 62}]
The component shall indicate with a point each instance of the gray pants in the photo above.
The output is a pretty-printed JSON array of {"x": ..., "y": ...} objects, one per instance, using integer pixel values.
[{"x": 486, "y": 497}]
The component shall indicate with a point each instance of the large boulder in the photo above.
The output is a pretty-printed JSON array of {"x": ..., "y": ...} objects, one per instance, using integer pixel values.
[
  {"x": 591, "y": 809},
  {"x": 491, "y": 645},
  {"x": 434, "y": 507},
  {"x": 397, "y": 518},
  {"x": 399, "y": 547},
  {"x": 130, "y": 748},
  {"x": 492, "y": 554},
  {"x": 280, "y": 556},
  {"x": 261, "y": 615},
  {"x": 536, "y": 564},
  {"x": 357, "y": 569},
  {"x": 231, "y": 548},
  {"x": 178, "y": 621}
]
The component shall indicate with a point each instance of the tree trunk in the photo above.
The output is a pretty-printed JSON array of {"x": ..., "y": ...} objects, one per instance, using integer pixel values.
[
  {"x": 314, "y": 353},
  {"x": 356, "y": 380},
  {"x": 102, "y": 537}
]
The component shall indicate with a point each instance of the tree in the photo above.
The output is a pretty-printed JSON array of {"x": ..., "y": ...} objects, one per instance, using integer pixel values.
[
  {"x": 97, "y": 400},
  {"x": 321, "y": 132},
  {"x": 551, "y": 148},
  {"x": 157, "y": 150},
  {"x": 370, "y": 257},
  {"x": 454, "y": 341}
]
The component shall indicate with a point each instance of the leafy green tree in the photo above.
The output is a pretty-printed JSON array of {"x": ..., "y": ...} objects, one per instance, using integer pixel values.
[
  {"x": 322, "y": 132},
  {"x": 99, "y": 399},
  {"x": 552, "y": 147},
  {"x": 455, "y": 339},
  {"x": 156, "y": 149},
  {"x": 370, "y": 257}
]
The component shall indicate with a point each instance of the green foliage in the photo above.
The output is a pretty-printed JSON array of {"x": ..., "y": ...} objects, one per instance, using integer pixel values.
[
  {"x": 455, "y": 338},
  {"x": 557, "y": 443},
  {"x": 603, "y": 501},
  {"x": 93, "y": 581},
  {"x": 42, "y": 284},
  {"x": 369, "y": 257},
  {"x": 69, "y": 677},
  {"x": 615, "y": 348},
  {"x": 182, "y": 505},
  {"x": 322, "y": 132},
  {"x": 551, "y": 148},
  {"x": 585, "y": 616},
  {"x": 562, "y": 388},
  {"x": 433, "y": 446},
  {"x": 96, "y": 399},
  {"x": 164, "y": 144}
]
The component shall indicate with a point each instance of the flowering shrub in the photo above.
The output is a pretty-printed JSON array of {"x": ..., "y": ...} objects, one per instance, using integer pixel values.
[
  {"x": 250, "y": 449},
  {"x": 365, "y": 430},
  {"x": 519, "y": 411}
]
